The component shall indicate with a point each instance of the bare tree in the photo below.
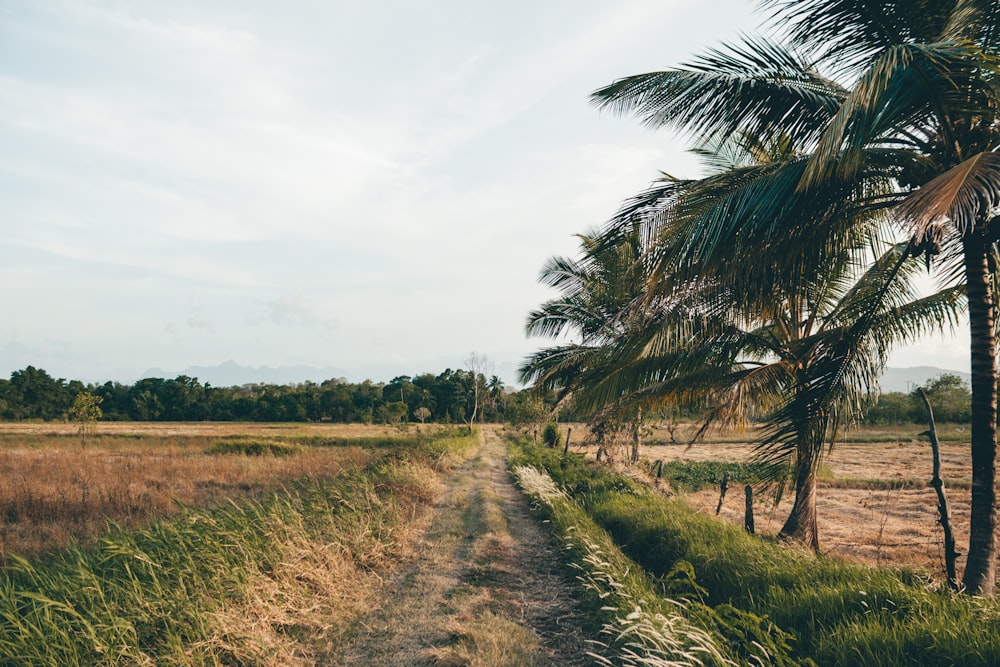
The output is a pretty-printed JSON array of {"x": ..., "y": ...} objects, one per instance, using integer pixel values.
[{"x": 479, "y": 366}]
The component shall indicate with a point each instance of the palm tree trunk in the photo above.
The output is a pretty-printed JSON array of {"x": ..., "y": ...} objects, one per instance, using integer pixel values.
[
  {"x": 980, "y": 566},
  {"x": 801, "y": 522}
]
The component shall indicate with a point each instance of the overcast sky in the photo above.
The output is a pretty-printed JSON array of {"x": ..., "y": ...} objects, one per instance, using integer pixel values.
[{"x": 370, "y": 185}]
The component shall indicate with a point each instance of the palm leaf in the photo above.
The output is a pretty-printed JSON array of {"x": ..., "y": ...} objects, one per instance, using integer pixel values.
[
  {"x": 757, "y": 88},
  {"x": 964, "y": 194}
]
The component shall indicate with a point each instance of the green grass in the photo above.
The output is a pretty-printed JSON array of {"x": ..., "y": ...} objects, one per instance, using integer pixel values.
[
  {"x": 648, "y": 619},
  {"x": 696, "y": 475},
  {"x": 248, "y": 447},
  {"x": 840, "y": 613}
]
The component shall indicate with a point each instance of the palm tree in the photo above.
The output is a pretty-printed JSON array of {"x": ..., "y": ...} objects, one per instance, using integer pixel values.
[
  {"x": 805, "y": 355},
  {"x": 806, "y": 363},
  {"x": 920, "y": 108},
  {"x": 596, "y": 305}
]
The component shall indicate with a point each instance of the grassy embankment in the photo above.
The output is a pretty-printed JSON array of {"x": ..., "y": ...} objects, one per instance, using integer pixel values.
[
  {"x": 839, "y": 613},
  {"x": 251, "y": 581}
]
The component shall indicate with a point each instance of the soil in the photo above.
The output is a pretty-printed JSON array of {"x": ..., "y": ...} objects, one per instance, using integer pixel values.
[{"x": 484, "y": 588}]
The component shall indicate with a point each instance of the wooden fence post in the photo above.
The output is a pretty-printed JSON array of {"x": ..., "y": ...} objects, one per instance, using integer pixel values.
[
  {"x": 722, "y": 492},
  {"x": 748, "y": 514}
]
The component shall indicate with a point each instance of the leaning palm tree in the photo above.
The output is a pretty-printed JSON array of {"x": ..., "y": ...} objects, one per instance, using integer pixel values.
[
  {"x": 803, "y": 354},
  {"x": 805, "y": 364},
  {"x": 918, "y": 103}
]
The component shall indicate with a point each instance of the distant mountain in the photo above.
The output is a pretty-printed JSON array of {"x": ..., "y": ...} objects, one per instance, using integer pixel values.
[
  {"x": 905, "y": 379},
  {"x": 232, "y": 374}
]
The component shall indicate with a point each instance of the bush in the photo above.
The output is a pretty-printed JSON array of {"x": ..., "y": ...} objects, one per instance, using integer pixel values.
[{"x": 551, "y": 435}]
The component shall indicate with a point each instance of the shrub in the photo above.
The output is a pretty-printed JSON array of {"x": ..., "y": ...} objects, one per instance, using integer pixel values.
[{"x": 551, "y": 435}]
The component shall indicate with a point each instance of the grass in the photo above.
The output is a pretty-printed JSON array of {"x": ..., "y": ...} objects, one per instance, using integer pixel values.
[
  {"x": 50, "y": 496},
  {"x": 54, "y": 492},
  {"x": 646, "y": 620},
  {"x": 840, "y": 613},
  {"x": 696, "y": 475},
  {"x": 249, "y": 447},
  {"x": 242, "y": 583}
]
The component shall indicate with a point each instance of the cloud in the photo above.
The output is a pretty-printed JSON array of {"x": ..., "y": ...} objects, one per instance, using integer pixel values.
[{"x": 296, "y": 310}]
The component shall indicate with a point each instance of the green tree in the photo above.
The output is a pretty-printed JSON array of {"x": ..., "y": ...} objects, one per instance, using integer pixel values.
[
  {"x": 85, "y": 411},
  {"x": 525, "y": 409},
  {"x": 392, "y": 412},
  {"x": 950, "y": 398},
  {"x": 894, "y": 407},
  {"x": 34, "y": 394}
]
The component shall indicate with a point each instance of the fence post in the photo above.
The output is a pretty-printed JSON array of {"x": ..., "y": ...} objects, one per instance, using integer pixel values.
[
  {"x": 748, "y": 514},
  {"x": 722, "y": 492}
]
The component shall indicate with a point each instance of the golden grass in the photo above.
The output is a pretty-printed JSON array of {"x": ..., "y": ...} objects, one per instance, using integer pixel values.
[{"x": 53, "y": 491}]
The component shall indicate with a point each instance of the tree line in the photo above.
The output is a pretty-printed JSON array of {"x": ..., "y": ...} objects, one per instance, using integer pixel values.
[{"x": 448, "y": 397}]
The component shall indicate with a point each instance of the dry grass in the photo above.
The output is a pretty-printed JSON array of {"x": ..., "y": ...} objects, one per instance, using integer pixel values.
[{"x": 53, "y": 491}]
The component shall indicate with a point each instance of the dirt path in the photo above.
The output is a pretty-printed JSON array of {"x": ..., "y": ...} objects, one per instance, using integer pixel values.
[{"x": 484, "y": 588}]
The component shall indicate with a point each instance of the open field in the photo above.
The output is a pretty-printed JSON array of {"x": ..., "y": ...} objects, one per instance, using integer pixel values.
[
  {"x": 874, "y": 501},
  {"x": 53, "y": 490},
  {"x": 411, "y": 549}
]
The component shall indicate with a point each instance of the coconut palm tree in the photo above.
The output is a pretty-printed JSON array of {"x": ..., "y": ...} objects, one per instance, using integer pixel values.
[
  {"x": 806, "y": 363},
  {"x": 803, "y": 355},
  {"x": 917, "y": 101}
]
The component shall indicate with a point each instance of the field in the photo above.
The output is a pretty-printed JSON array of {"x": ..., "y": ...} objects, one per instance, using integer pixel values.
[
  {"x": 206, "y": 544},
  {"x": 874, "y": 501},
  {"x": 277, "y": 544},
  {"x": 54, "y": 490}
]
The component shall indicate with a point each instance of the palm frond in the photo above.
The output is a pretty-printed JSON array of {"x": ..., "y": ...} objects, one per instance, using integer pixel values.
[
  {"x": 964, "y": 194},
  {"x": 756, "y": 87},
  {"x": 906, "y": 84},
  {"x": 849, "y": 33}
]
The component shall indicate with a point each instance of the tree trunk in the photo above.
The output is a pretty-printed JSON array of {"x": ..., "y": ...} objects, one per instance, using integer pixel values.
[
  {"x": 636, "y": 436},
  {"x": 944, "y": 516},
  {"x": 980, "y": 566},
  {"x": 801, "y": 522}
]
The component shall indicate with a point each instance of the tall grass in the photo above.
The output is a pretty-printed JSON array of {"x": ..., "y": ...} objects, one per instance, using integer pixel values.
[
  {"x": 233, "y": 585},
  {"x": 649, "y": 620},
  {"x": 52, "y": 491},
  {"x": 642, "y": 630},
  {"x": 840, "y": 613}
]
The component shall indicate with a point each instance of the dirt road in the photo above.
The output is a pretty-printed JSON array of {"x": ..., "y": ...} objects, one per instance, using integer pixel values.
[{"x": 483, "y": 589}]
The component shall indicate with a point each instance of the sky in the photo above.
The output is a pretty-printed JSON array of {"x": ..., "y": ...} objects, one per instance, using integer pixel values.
[{"x": 366, "y": 185}]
